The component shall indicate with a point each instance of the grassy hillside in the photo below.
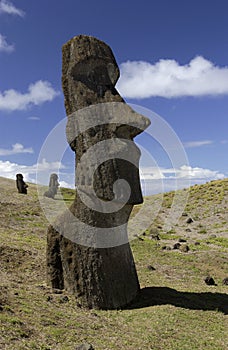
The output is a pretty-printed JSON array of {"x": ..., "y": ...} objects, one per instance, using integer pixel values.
[{"x": 176, "y": 309}]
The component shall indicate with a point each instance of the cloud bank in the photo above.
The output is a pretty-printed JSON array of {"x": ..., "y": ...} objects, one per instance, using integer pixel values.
[
  {"x": 193, "y": 144},
  {"x": 4, "y": 46},
  {"x": 17, "y": 148},
  {"x": 9, "y": 169},
  {"x": 154, "y": 180},
  {"x": 8, "y": 8},
  {"x": 66, "y": 184},
  {"x": 159, "y": 180},
  {"x": 38, "y": 93},
  {"x": 167, "y": 78},
  {"x": 184, "y": 172}
]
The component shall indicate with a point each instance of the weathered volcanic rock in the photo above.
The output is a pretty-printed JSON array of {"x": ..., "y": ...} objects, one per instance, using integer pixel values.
[
  {"x": 53, "y": 186},
  {"x": 21, "y": 185},
  {"x": 225, "y": 281},
  {"x": 88, "y": 252},
  {"x": 210, "y": 281}
]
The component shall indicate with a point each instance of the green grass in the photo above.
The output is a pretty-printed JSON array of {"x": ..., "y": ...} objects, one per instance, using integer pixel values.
[
  {"x": 176, "y": 310},
  {"x": 68, "y": 195},
  {"x": 220, "y": 241}
]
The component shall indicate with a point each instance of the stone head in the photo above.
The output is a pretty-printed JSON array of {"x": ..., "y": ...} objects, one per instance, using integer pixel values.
[
  {"x": 101, "y": 126},
  {"x": 19, "y": 177},
  {"x": 54, "y": 176},
  {"x": 53, "y": 180}
]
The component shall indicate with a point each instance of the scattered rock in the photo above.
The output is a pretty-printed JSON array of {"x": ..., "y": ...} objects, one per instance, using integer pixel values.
[
  {"x": 182, "y": 240},
  {"x": 94, "y": 314},
  {"x": 64, "y": 299},
  {"x": 164, "y": 247},
  {"x": 209, "y": 281},
  {"x": 188, "y": 230},
  {"x": 189, "y": 221},
  {"x": 176, "y": 246},
  {"x": 225, "y": 281},
  {"x": 184, "y": 248},
  {"x": 41, "y": 287},
  {"x": 85, "y": 346},
  {"x": 49, "y": 298},
  {"x": 151, "y": 268},
  {"x": 197, "y": 243},
  {"x": 155, "y": 237},
  {"x": 184, "y": 214},
  {"x": 213, "y": 236},
  {"x": 57, "y": 291},
  {"x": 140, "y": 238},
  {"x": 153, "y": 231}
]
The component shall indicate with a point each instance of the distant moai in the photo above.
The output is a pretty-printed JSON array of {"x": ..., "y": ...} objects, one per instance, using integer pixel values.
[
  {"x": 53, "y": 186},
  {"x": 100, "y": 277},
  {"x": 21, "y": 185}
]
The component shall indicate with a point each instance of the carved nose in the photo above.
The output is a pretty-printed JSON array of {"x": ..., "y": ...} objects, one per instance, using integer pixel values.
[
  {"x": 135, "y": 124},
  {"x": 140, "y": 121}
]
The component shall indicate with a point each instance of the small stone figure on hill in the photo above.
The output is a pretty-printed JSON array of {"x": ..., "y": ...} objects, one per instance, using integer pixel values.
[
  {"x": 53, "y": 186},
  {"x": 21, "y": 185}
]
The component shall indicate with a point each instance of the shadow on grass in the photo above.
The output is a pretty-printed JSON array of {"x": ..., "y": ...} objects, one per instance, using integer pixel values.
[{"x": 207, "y": 301}]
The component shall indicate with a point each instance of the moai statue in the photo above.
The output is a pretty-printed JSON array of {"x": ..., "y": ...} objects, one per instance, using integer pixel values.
[
  {"x": 53, "y": 186},
  {"x": 88, "y": 252},
  {"x": 21, "y": 185}
]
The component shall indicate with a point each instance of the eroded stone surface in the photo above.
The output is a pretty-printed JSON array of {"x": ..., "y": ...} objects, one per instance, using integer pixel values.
[
  {"x": 100, "y": 270},
  {"x": 53, "y": 186},
  {"x": 21, "y": 185}
]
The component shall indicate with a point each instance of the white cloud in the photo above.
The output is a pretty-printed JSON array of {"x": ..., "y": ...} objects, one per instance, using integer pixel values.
[
  {"x": 192, "y": 144},
  {"x": 184, "y": 172},
  {"x": 9, "y": 170},
  {"x": 8, "y": 8},
  {"x": 198, "y": 173},
  {"x": 44, "y": 166},
  {"x": 17, "y": 148},
  {"x": 151, "y": 173},
  {"x": 153, "y": 180},
  {"x": 167, "y": 78},
  {"x": 66, "y": 184},
  {"x": 4, "y": 46},
  {"x": 38, "y": 93},
  {"x": 156, "y": 180}
]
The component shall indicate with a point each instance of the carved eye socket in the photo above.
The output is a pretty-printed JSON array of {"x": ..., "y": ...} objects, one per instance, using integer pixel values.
[
  {"x": 95, "y": 72},
  {"x": 96, "y": 79}
]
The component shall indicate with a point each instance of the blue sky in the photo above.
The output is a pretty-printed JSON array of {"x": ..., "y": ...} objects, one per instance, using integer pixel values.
[{"x": 173, "y": 58}]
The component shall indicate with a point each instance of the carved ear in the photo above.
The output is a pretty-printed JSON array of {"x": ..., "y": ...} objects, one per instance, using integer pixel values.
[{"x": 113, "y": 73}]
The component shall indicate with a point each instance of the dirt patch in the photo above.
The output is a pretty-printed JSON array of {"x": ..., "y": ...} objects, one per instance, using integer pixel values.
[{"x": 12, "y": 258}]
